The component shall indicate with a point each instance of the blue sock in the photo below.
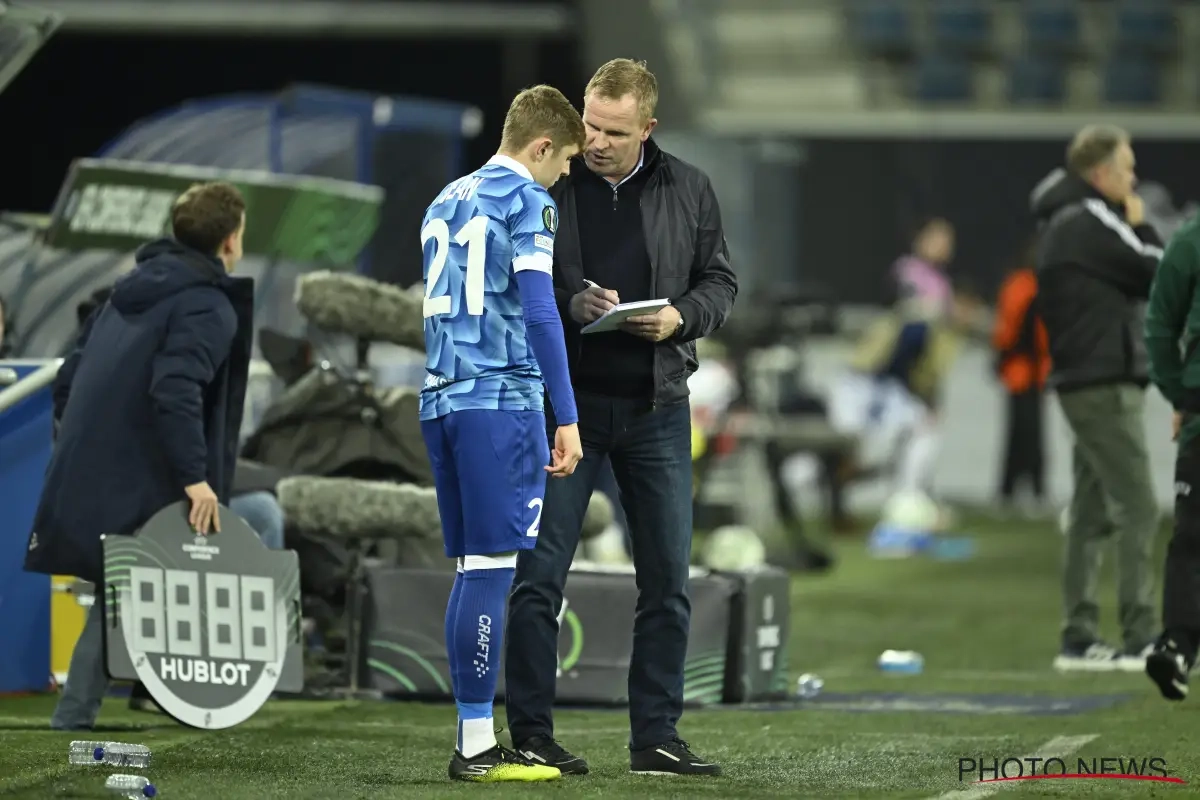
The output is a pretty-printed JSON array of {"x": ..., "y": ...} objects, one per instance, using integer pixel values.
[
  {"x": 451, "y": 614},
  {"x": 478, "y": 640}
]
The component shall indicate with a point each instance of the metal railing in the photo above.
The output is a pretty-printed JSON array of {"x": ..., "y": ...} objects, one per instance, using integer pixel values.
[{"x": 29, "y": 385}]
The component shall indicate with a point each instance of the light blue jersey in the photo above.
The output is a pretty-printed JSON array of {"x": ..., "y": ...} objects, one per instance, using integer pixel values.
[{"x": 481, "y": 230}]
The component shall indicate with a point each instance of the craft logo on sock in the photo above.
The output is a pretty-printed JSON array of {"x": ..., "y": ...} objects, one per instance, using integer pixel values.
[
  {"x": 483, "y": 645},
  {"x": 989, "y": 769}
]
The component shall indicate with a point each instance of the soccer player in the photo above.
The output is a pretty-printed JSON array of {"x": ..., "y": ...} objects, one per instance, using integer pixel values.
[{"x": 492, "y": 334}]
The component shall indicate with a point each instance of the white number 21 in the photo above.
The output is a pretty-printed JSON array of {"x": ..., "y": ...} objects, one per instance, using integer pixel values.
[{"x": 473, "y": 235}]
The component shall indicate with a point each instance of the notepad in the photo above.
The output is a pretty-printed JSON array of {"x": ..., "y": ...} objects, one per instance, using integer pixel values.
[{"x": 619, "y": 313}]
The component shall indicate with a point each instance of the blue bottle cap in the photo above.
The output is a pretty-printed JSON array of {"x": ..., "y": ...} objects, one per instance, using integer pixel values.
[
  {"x": 98, "y": 754},
  {"x": 149, "y": 791}
]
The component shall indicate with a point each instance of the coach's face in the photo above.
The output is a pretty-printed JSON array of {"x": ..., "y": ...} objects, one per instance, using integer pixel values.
[
  {"x": 615, "y": 133},
  {"x": 1116, "y": 177}
]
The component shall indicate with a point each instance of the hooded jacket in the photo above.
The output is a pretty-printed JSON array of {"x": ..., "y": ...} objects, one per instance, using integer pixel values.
[
  {"x": 149, "y": 402},
  {"x": 1094, "y": 275}
]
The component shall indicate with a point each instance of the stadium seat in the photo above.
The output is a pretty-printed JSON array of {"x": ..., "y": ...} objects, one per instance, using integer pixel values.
[
  {"x": 1132, "y": 82},
  {"x": 1034, "y": 79},
  {"x": 962, "y": 25},
  {"x": 1146, "y": 26},
  {"x": 1052, "y": 26},
  {"x": 942, "y": 78},
  {"x": 883, "y": 27}
]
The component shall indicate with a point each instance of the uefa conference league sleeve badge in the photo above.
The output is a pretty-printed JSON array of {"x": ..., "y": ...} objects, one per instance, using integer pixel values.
[{"x": 210, "y": 624}]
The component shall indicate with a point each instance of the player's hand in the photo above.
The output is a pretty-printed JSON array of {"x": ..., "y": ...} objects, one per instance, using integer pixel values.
[
  {"x": 567, "y": 451},
  {"x": 1135, "y": 210},
  {"x": 591, "y": 304},
  {"x": 656, "y": 326},
  {"x": 204, "y": 508},
  {"x": 1176, "y": 425}
]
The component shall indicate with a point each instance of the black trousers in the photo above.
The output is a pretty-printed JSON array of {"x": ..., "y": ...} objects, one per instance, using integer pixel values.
[
  {"x": 1181, "y": 580},
  {"x": 1024, "y": 451},
  {"x": 651, "y": 457}
]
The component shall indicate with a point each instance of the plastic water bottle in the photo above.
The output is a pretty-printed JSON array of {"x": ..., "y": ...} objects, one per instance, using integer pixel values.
[
  {"x": 906, "y": 662},
  {"x": 809, "y": 686},
  {"x": 111, "y": 754},
  {"x": 134, "y": 787}
]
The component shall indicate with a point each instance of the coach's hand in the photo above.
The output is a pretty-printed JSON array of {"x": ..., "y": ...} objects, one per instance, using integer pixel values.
[
  {"x": 204, "y": 508},
  {"x": 567, "y": 451},
  {"x": 591, "y": 304},
  {"x": 655, "y": 327},
  {"x": 1135, "y": 210}
]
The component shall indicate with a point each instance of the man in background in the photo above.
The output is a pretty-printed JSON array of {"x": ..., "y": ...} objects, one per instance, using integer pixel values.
[
  {"x": 636, "y": 224},
  {"x": 148, "y": 406},
  {"x": 920, "y": 276},
  {"x": 1095, "y": 264},
  {"x": 1023, "y": 365}
]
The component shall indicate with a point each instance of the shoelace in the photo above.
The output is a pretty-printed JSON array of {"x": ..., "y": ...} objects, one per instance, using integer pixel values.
[{"x": 682, "y": 747}]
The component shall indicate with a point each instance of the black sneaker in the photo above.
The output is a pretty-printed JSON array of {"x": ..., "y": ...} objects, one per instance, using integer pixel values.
[
  {"x": 1168, "y": 667},
  {"x": 498, "y": 765},
  {"x": 544, "y": 750},
  {"x": 670, "y": 758}
]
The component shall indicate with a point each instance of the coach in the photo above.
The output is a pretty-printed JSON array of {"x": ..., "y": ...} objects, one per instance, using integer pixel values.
[
  {"x": 635, "y": 224},
  {"x": 1095, "y": 265},
  {"x": 149, "y": 405}
]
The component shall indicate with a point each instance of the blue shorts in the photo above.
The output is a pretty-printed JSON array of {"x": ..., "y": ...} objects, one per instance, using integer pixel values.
[{"x": 488, "y": 470}]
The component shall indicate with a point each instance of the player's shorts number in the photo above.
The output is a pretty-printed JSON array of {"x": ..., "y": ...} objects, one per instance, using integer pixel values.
[
  {"x": 473, "y": 236},
  {"x": 535, "y": 528}
]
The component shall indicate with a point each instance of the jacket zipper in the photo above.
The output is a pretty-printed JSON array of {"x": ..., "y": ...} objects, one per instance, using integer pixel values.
[{"x": 657, "y": 367}]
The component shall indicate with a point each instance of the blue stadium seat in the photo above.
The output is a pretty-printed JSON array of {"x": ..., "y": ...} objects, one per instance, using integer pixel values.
[
  {"x": 1036, "y": 80},
  {"x": 1147, "y": 26},
  {"x": 883, "y": 27},
  {"x": 1052, "y": 25},
  {"x": 962, "y": 25},
  {"x": 1132, "y": 82},
  {"x": 942, "y": 78}
]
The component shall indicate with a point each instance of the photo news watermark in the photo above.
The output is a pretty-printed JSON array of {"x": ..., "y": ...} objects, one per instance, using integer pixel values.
[{"x": 1025, "y": 768}]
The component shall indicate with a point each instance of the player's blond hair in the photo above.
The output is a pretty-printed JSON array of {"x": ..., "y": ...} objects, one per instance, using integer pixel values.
[
  {"x": 542, "y": 111},
  {"x": 623, "y": 76}
]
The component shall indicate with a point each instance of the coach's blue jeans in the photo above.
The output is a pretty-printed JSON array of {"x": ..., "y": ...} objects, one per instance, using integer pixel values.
[
  {"x": 263, "y": 514},
  {"x": 651, "y": 455}
]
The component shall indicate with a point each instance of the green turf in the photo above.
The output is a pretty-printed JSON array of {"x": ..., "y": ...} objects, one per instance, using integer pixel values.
[{"x": 997, "y": 614}]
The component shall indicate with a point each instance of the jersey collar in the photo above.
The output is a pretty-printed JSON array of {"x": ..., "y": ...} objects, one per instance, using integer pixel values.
[{"x": 511, "y": 163}]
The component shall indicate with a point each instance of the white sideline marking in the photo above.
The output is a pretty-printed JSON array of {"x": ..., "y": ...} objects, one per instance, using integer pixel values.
[
  {"x": 1057, "y": 747},
  {"x": 963, "y": 674}
]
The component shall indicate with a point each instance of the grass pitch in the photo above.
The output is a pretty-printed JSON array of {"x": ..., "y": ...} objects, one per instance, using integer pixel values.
[{"x": 986, "y": 626}]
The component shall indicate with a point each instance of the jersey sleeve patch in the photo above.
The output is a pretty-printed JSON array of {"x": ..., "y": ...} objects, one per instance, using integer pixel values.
[
  {"x": 550, "y": 218},
  {"x": 543, "y": 242}
]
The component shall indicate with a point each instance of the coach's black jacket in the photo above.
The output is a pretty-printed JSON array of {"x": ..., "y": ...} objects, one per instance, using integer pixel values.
[
  {"x": 1094, "y": 275},
  {"x": 150, "y": 402},
  {"x": 689, "y": 262}
]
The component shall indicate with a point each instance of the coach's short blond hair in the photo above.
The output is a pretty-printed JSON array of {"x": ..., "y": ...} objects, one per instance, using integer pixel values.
[
  {"x": 623, "y": 76},
  {"x": 1094, "y": 145},
  {"x": 542, "y": 111}
]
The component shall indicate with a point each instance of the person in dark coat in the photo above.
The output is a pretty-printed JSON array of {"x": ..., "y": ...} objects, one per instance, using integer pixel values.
[{"x": 148, "y": 408}]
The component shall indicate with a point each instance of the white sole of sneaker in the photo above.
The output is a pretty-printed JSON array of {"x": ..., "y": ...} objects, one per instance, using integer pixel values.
[
  {"x": 654, "y": 772},
  {"x": 1067, "y": 664}
]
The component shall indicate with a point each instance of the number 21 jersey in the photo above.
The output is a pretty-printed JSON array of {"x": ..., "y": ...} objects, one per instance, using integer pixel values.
[{"x": 480, "y": 231}]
